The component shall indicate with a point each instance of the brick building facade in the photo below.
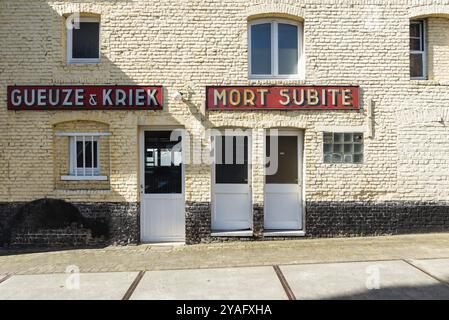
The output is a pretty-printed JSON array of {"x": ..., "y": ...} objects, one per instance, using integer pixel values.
[{"x": 395, "y": 52}]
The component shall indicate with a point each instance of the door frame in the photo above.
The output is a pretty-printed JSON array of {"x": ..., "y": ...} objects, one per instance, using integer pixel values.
[
  {"x": 247, "y": 133},
  {"x": 140, "y": 185},
  {"x": 300, "y": 133}
]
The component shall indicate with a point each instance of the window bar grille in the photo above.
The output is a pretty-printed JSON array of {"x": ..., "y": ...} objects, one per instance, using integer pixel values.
[
  {"x": 84, "y": 155},
  {"x": 92, "y": 155},
  {"x": 75, "y": 157}
]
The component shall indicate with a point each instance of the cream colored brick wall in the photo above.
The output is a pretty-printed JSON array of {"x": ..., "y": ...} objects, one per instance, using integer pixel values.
[
  {"x": 186, "y": 45},
  {"x": 438, "y": 49}
]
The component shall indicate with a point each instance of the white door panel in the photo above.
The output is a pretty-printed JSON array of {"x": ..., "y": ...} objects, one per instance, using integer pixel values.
[
  {"x": 231, "y": 207},
  {"x": 283, "y": 194},
  {"x": 283, "y": 205},
  {"x": 231, "y": 191},
  {"x": 162, "y": 195},
  {"x": 163, "y": 219}
]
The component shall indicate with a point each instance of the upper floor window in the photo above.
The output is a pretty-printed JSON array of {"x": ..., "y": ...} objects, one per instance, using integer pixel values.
[
  {"x": 83, "y": 40},
  {"x": 418, "y": 49},
  {"x": 275, "y": 48}
]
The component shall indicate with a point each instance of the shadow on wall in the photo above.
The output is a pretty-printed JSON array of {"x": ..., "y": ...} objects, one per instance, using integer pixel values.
[
  {"x": 118, "y": 220},
  {"x": 53, "y": 223}
]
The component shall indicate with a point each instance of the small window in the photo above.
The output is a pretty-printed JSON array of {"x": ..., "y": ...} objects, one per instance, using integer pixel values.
[
  {"x": 83, "y": 41},
  {"x": 84, "y": 158},
  {"x": 275, "y": 49},
  {"x": 343, "y": 147},
  {"x": 417, "y": 50}
]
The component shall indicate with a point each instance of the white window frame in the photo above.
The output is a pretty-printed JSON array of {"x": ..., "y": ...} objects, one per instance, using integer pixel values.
[
  {"x": 423, "y": 31},
  {"x": 70, "y": 59},
  {"x": 275, "y": 49},
  {"x": 83, "y": 173}
]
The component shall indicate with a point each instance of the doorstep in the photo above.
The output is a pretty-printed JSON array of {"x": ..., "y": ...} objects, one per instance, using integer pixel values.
[
  {"x": 238, "y": 233},
  {"x": 284, "y": 233}
]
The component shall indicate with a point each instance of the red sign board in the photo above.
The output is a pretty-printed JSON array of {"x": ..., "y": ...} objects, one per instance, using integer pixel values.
[
  {"x": 282, "y": 97},
  {"x": 84, "y": 97}
]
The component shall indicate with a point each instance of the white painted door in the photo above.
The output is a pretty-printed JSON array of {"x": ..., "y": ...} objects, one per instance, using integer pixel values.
[
  {"x": 231, "y": 192},
  {"x": 162, "y": 190},
  {"x": 283, "y": 181}
]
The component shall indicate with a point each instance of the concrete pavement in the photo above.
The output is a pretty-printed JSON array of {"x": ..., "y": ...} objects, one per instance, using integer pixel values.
[
  {"x": 396, "y": 267},
  {"x": 222, "y": 283},
  {"x": 353, "y": 280},
  {"x": 91, "y": 286},
  {"x": 363, "y": 280},
  {"x": 231, "y": 254}
]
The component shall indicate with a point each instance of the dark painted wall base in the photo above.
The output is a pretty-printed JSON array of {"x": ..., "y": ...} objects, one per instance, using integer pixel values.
[
  {"x": 108, "y": 223},
  {"x": 328, "y": 219},
  {"x": 118, "y": 223},
  {"x": 337, "y": 219}
]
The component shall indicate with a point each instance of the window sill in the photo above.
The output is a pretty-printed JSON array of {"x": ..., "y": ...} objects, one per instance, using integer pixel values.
[
  {"x": 84, "y": 178},
  {"x": 284, "y": 233},
  {"x": 269, "y": 78},
  {"x": 82, "y": 191},
  {"x": 239, "y": 233},
  {"x": 426, "y": 82},
  {"x": 76, "y": 62}
]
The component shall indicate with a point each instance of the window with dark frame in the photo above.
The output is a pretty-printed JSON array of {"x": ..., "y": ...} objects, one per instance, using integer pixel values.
[
  {"x": 343, "y": 147},
  {"x": 417, "y": 49}
]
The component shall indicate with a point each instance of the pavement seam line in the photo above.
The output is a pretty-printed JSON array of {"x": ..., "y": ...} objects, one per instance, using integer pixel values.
[
  {"x": 5, "y": 278},
  {"x": 426, "y": 272},
  {"x": 133, "y": 285},
  {"x": 284, "y": 283}
]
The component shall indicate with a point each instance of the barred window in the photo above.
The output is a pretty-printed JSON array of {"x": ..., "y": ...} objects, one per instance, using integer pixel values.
[
  {"x": 84, "y": 156},
  {"x": 343, "y": 147}
]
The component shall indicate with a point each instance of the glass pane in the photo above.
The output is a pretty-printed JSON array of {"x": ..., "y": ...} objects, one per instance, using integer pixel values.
[
  {"x": 348, "y": 137},
  {"x": 86, "y": 40},
  {"x": 288, "y": 48},
  {"x": 336, "y": 158},
  {"x": 327, "y": 148},
  {"x": 88, "y": 153},
  {"x": 96, "y": 154},
  {"x": 261, "y": 48},
  {"x": 287, "y": 169},
  {"x": 79, "y": 153},
  {"x": 358, "y": 137},
  {"x": 348, "y": 148},
  {"x": 338, "y": 137},
  {"x": 358, "y": 148},
  {"x": 327, "y": 158},
  {"x": 358, "y": 158},
  {"x": 231, "y": 164},
  {"x": 415, "y": 30},
  {"x": 338, "y": 148},
  {"x": 327, "y": 137},
  {"x": 415, "y": 44},
  {"x": 347, "y": 158},
  {"x": 163, "y": 166},
  {"x": 416, "y": 65}
]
